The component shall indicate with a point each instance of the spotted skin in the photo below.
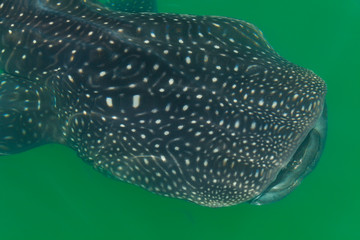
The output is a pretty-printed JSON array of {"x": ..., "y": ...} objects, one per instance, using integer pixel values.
[{"x": 192, "y": 107}]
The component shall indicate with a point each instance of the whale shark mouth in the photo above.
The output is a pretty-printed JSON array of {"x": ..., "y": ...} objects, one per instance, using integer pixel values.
[{"x": 301, "y": 164}]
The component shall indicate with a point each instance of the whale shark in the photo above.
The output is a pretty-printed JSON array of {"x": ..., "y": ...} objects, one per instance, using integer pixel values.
[{"x": 200, "y": 108}]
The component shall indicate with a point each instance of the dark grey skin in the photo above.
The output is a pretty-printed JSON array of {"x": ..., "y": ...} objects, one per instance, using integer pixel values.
[{"x": 192, "y": 107}]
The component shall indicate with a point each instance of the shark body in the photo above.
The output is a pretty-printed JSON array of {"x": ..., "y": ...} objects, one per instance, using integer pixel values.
[{"x": 192, "y": 107}]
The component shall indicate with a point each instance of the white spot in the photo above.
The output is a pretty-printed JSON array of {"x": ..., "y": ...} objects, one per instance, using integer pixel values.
[
  {"x": 206, "y": 58},
  {"x": 109, "y": 102},
  {"x": 310, "y": 107},
  {"x": 216, "y": 25},
  {"x": 274, "y": 104},
  {"x": 71, "y": 78},
  {"x": 136, "y": 101},
  {"x": 261, "y": 102},
  {"x": 188, "y": 60},
  {"x": 167, "y": 108}
]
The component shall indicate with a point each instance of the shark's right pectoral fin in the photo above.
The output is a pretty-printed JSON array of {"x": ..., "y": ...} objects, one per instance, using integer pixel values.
[{"x": 26, "y": 117}]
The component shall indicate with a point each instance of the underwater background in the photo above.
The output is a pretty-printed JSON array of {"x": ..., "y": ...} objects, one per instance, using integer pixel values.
[{"x": 50, "y": 193}]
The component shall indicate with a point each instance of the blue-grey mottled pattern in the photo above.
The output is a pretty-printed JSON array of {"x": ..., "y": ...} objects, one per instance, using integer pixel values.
[{"x": 192, "y": 107}]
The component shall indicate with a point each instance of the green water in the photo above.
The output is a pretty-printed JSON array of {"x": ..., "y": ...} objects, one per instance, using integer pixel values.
[{"x": 49, "y": 193}]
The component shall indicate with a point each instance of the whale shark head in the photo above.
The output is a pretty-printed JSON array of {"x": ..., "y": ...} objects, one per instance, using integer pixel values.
[{"x": 192, "y": 107}]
